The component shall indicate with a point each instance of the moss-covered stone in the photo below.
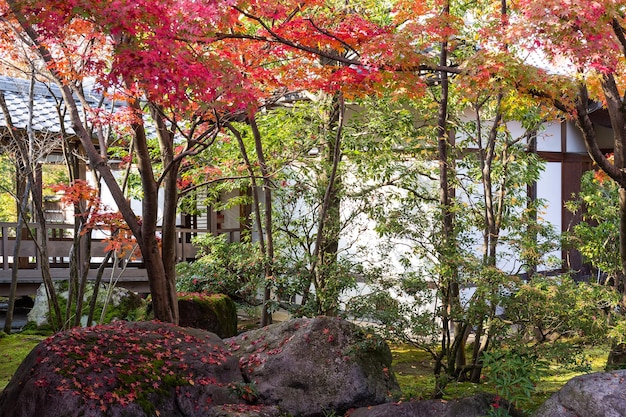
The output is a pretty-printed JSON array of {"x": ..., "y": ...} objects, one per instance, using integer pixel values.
[
  {"x": 121, "y": 304},
  {"x": 124, "y": 369},
  {"x": 216, "y": 313},
  {"x": 309, "y": 367}
]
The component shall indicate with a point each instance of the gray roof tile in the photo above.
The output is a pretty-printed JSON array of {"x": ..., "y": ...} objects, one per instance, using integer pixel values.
[{"x": 45, "y": 101}]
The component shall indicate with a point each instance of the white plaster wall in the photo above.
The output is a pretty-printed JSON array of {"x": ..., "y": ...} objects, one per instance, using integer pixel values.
[
  {"x": 549, "y": 190},
  {"x": 109, "y": 202},
  {"x": 575, "y": 142},
  {"x": 549, "y": 139}
]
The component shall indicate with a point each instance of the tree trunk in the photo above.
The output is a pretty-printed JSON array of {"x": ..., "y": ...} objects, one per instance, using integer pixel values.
[
  {"x": 330, "y": 237},
  {"x": 96, "y": 288},
  {"x": 266, "y": 316},
  {"x": 85, "y": 259},
  {"x": 16, "y": 250},
  {"x": 169, "y": 239},
  {"x": 447, "y": 252},
  {"x": 170, "y": 198},
  {"x": 622, "y": 239},
  {"x": 531, "y": 206},
  {"x": 327, "y": 234}
]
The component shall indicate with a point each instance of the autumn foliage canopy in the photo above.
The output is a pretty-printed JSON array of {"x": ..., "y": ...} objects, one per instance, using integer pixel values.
[{"x": 190, "y": 67}]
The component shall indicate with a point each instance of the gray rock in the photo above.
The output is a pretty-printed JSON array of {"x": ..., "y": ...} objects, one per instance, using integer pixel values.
[
  {"x": 308, "y": 367},
  {"x": 39, "y": 312},
  {"x": 474, "y": 406},
  {"x": 120, "y": 299},
  {"x": 601, "y": 394},
  {"x": 238, "y": 410},
  {"x": 124, "y": 369}
]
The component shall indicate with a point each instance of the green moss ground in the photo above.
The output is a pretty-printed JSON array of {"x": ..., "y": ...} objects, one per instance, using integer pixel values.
[
  {"x": 13, "y": 350},
  {"x": 414, "y": 371},
  {"x": 597, "y": 356}
]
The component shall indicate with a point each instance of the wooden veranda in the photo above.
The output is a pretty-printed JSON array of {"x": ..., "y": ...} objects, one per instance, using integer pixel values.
[{"x": 60, "y": 241}]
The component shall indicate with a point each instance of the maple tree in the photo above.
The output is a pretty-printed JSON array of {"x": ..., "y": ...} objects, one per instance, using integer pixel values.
[
  {"x": 160, "y": 74},
  {"x": 591, "y": 39},
  {"x": 190, "y": 66}
]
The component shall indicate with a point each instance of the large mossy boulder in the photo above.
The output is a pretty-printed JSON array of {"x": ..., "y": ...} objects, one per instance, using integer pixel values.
[
  {"x": 125, "y": 369},
  {"x": 600, "y": 394},
  {"x": 216, "y": 313},
  {"x": 303, "y": 367},
  {"x": 309, "y": 367}
]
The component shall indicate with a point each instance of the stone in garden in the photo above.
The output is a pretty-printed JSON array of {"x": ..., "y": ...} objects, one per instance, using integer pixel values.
[
  {"x": 238, "y": 410},
  {"x": 474, "y": 406},
  {"x": 308, "y": 367},
  {"x": 216, "y": 313},
  {"x": 600, "y": 394},
  {"x": 121, "y": 303},
  {"x": 125, "y": 369}
]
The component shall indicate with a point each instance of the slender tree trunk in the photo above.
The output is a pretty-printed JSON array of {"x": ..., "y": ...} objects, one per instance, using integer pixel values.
[
  {"x": 330, "y": 238},
  {"x": 492, "y": 218},
  {"x": 170, "y": 204},
  {"x": 327, "y": 237},
  {"x": 74, "y": 287},
  {"x": 84, "y": 275},
  {"x": 621, "y": 285},
  {"x": 265, "y": 316},
  {"x": 16, "y": 252},
  {"x": 96, "y": 288},
  {"x": 491, "y": 229},
  {"x": 42, "y": 247},
  {"x": 531, "y": 205},
  {"x": 450, "y": 287}
]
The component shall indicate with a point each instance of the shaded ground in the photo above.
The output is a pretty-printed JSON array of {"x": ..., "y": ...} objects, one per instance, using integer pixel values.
[{"x": 19, "y": 317}]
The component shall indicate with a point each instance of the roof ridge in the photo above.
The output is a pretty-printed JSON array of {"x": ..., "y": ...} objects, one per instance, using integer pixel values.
[{"x": 22, "y": 86}]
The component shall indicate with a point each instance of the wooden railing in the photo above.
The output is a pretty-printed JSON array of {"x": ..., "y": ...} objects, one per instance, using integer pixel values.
[{"x": 60, "y": 241}]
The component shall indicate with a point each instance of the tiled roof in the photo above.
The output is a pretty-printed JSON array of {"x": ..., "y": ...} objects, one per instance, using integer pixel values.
[{"x": 46, "y": 98}]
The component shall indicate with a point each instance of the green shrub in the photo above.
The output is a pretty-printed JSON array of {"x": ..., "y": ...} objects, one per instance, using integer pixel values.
[
  {"x": 557, "y": 308},
  {"x": 232, "y": 268},
  {"x": 597, "y": 234}
]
